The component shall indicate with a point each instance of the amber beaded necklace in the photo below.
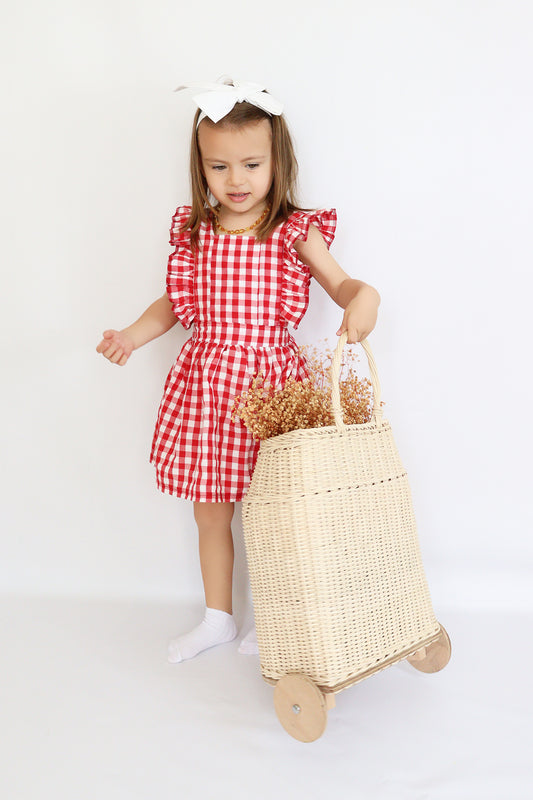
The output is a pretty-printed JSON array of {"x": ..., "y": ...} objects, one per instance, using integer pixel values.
[{"x": 241, "y": 230}]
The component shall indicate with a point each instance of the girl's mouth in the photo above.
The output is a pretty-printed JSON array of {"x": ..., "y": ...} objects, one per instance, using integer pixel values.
[{"x": 238, "y": 197}]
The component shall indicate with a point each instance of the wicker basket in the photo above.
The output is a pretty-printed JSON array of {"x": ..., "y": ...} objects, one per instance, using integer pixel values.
[{"x": 337, "y": 580}]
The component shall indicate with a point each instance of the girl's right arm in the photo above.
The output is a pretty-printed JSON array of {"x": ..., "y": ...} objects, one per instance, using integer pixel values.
[{"x": 158, "y": 318}]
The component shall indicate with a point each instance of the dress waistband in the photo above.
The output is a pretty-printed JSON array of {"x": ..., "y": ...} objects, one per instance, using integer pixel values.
[{"x": 246, "y": 335}]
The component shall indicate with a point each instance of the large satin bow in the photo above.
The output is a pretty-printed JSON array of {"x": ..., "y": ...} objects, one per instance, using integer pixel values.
[{"x": 217, "y": 98}]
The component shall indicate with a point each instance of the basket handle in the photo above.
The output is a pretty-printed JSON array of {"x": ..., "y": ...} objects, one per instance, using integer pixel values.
[{"x": 335, "y": 377}]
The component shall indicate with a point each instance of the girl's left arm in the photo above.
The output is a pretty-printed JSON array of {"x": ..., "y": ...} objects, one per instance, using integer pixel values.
[{"x": 359, "y": 300}]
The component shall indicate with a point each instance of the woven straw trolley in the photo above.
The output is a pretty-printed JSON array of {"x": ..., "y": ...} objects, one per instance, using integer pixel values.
[{"x": 337, "y": 580}]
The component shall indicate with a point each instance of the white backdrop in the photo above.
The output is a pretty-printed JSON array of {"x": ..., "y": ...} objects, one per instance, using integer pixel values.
[{"x": 413, "y": 119}]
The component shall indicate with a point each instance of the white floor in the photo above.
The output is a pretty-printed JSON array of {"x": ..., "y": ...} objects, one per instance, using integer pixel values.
[{"x": 91, "y": 711}]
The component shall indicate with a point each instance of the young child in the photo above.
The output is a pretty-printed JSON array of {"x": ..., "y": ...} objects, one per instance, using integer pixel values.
[{"x": 240, "y": 271}]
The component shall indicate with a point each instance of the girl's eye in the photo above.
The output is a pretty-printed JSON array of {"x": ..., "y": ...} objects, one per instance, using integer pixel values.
[
  {"x": 218, "y": 167},
  {"x": 252, "y": 166}
]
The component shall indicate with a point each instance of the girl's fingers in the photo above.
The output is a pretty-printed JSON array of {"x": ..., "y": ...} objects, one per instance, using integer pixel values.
[
  {"x": 352, "y": 335},
  {"x": 105, "y": 344},
  {"x": 117, "y": 355},
  {"x": 111, "y": 350},
  {"x": 107, "y": 341}
]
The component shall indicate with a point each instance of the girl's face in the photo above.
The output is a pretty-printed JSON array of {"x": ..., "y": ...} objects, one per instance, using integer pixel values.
[{"x": 237, "y": 164}]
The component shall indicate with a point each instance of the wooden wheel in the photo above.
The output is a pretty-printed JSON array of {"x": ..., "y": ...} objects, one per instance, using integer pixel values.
[
  {"x": 301, "y": 707},
  {"x": 436, "y": 655}
]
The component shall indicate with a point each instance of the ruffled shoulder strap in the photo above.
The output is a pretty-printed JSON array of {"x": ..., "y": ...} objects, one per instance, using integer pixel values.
[
  {"x": 180, "y": 217},
  {"x": 180, "y": 269},
  {"x": 297, "y": 226},
  {"x": 296, "y": 275}
]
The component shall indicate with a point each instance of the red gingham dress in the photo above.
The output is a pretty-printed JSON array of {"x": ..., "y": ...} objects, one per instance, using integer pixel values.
[{"x": 240, "y": 294}]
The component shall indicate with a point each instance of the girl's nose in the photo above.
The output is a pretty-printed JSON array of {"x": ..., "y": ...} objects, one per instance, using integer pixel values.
[{"x": 237, "y": 176}]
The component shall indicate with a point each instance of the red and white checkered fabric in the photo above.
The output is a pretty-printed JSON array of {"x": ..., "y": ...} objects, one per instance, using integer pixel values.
[{"x": 241, "y": 294}]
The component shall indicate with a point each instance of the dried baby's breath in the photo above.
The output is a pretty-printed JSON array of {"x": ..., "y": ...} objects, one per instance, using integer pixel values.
[{"x": 267, "y": 411}]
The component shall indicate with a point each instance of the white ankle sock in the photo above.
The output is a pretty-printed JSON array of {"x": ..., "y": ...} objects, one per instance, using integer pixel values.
[
  {"x": 216, "y": 627},
  {"x": 249, "y": 646}
]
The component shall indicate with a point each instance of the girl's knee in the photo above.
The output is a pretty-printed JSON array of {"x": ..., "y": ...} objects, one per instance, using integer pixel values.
[{"x": 213, "y": 513}]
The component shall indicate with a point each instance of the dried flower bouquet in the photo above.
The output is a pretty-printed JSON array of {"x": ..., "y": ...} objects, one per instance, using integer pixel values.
[{"x": 268, "y": 412}]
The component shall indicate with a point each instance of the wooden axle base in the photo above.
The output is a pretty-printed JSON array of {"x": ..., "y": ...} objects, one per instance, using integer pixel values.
[
  {"x": 435, "y": 656},
  {"x": 302, "y": 708}
]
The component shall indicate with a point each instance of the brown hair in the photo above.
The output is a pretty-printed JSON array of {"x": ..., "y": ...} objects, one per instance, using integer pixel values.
[{"x": 282, "y": 195}]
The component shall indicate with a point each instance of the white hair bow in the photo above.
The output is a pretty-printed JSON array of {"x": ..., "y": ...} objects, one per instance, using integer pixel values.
[{"x": 218, "y": 98}]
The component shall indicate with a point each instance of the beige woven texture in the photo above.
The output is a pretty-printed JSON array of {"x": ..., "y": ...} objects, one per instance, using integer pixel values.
[{"x": 337, "y": 581}]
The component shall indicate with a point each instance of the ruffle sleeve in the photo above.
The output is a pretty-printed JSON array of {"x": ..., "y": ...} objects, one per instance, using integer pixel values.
[
  {"x": 296, "y": 275},
  {"x": 180, "y": 269}
]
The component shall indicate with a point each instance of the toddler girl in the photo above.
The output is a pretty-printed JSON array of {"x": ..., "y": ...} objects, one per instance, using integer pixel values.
[{"x": 244, "y": 254}]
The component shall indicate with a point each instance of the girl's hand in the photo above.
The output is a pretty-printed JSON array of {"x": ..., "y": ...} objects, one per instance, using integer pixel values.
[
  {"x": 360, "y": 315},
  {"x": 117, "y": 346}
]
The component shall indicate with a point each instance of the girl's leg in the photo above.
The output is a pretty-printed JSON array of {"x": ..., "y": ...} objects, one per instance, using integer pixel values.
[
  {"x": 216, "y": 553},
  {"x": 216, "y": 561}
]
